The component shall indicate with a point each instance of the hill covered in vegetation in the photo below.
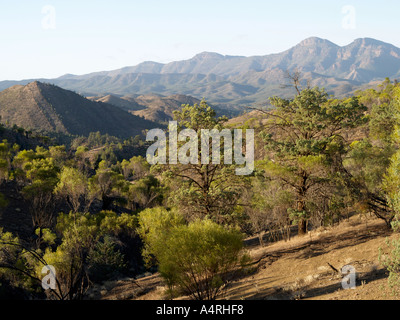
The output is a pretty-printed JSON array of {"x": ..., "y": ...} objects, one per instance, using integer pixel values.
[
  {"x": 98, "y": 211},
  {"x": 47, "y": 108}
]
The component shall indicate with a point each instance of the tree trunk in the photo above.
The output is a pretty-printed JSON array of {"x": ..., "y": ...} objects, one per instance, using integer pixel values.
[
  {"x": 301, "y": 207},
  {"x": 301, "y": 203},
  {"x": 302, "y": 227}
]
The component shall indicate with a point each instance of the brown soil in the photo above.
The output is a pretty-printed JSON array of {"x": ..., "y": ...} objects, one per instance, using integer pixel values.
[{"x": 302, "y": 268}]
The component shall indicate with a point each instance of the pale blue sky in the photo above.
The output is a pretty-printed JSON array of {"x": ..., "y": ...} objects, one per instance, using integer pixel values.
[{"x": 97, "y": 35}]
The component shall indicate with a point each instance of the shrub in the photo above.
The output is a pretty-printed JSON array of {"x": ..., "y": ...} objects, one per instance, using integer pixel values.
[
  {"x": 197, "y": 259},
  {"x": 105, "y": 260},
  {"x": 392, "y": 263}
]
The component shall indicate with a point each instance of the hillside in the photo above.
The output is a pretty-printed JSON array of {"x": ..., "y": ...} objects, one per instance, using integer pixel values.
[
  {"x": 152, "y": 107},
  {"x": 125, "y": 103},
  {"x": 48, "y": 108},
  {"x": 295, "y": 269},
  {"x": 158, "y": 108}
]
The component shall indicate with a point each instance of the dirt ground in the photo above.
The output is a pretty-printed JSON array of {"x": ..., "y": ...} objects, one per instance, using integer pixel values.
[{"x": 302, "y": 268}]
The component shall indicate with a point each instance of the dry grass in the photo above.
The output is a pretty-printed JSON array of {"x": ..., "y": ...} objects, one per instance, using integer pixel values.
[{"x": 299, "y": 268}]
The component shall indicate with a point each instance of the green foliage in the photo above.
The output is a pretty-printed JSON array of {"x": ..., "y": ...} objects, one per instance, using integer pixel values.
[
  {"x": 203, "y": 190},
  {"x": 80, "y": 150},
  {"x": 59, "y": 155},
  {"x": 73, "y": 186},
  {"x": 199, "y": 116},
  {"x": 391, "y": 185},
  {"x": 105, "y": 260},
  {"x": 106, "y": 184},
  {"x": 362, "y": 160},
  {"x": 380, "y": 144},
  {"x": 197, "y": 258},
  {"x": 296, "y": 215},
  {"x": 16, "y": 263},
  {"x": 391, "y": 178},
  {"x": 154, "y": 225},
  {"x": 304, "y": 138},
  {"x": 117, "y": 224},
  {"x": 136, "y": 168},
  {"x": 5, "y": 160},
  {"x": 268, "y": 206},
  {"x": 86, "y": 249},
  {"x": 146, "y": 192},
  {"x": 391, "y": 262},
  {"x": 96, "y": 140},
  {"x": 46, "y": 235},
  {"x": 41, "y": 171}
]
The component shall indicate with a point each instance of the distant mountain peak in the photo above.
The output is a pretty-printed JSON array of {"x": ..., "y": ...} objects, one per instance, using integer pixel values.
[
  {"x": 208, "y": 55},
  {"x": 369, "y": 42},
  {"x": 67, "y": 76},
  {"x": 315, "y": 41}
]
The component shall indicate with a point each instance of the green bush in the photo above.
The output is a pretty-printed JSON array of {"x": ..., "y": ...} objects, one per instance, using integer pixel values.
[
  {"x": 392, "y": 263},
  {"x": 197, "y": 259},
  {"x": 105, "y": 260},
  {"x": 154, "y": 227}
]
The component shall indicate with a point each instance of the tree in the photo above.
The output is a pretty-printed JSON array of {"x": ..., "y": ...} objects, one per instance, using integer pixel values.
[
  {"x": 73, "y": 186},
  {"x": 86, "y": 250},
  {"x": 5, "y": 161},
  {"x": 305, "y": 138},
  {"x": 107, "y": 184},
  {"x": 197, "y": 188},
  {"x": 391, "y": 185},
  {"x": 43, "y": 177},
  {"x": 391, "y": 178},
  {"x": 104, "y": 260},
  {"x": 375, "y": 185},
  {"x": 145, "y": 193},
  {"x": 17, "y": 264},
  {"x": 59, "y": 154},
  {"x": 24, "y": 158},
  {"x": 391, "y": 261},
  {"x": 154, "y": 225},
  {"x": 198, "y": 258},
  {"x": 267, "y": 212}
]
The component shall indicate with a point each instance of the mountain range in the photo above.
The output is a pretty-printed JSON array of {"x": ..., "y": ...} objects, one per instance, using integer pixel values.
[{"x": 237, "y": 81}]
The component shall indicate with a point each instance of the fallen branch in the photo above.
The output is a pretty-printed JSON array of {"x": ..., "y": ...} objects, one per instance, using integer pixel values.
[{"x": 333, "y": 268}]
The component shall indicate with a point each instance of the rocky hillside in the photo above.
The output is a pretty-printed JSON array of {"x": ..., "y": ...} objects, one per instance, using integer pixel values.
[{"x": 44, "y": 107}]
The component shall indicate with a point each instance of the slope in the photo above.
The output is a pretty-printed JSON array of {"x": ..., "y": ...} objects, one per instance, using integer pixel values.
[
  {"x": 48, "y": 108},
  {"x": 295, "y": 269}
]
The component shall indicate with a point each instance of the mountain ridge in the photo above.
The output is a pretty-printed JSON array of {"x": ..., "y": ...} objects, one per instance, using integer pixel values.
[
  {"x": 229, "y": 80},
  {"x": 209, "y": 55}
]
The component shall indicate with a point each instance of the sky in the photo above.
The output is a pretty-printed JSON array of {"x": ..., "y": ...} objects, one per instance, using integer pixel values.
[{"x": 49, "y": 38}]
